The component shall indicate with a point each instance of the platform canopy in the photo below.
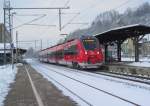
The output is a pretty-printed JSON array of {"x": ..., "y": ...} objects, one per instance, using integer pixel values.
[
  {"x": 122, "y": 33},
  {"x": 20, "y": 51}
]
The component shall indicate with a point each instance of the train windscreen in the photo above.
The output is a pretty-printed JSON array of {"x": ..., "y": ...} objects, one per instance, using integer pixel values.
[{"x": 90, "y": 44}]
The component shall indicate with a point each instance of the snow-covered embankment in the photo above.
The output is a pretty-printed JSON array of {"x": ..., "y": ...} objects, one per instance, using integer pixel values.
[{"x": 7, "y": 76}]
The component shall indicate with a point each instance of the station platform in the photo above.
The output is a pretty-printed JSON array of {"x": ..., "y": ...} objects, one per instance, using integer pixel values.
[
  {"x": 128, "y": 68},
  {"x": 22, "y": 93}
]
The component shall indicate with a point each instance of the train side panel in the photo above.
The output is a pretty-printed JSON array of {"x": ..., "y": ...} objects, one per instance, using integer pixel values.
[{"x": 78, "y": 53}]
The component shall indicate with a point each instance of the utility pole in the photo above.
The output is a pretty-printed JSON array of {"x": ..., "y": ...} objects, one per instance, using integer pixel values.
[
  {"x": 16, "y": 46},
  {"x": 4, "y": 38},
  {"x": 41, "y": 44},
  {"x": 8, "y": 21},
  {"x": 60, "y": 19},
  {"x": 35, "y": 44},
  {"x": 12, "y": 44},
  {"x": 10, "y": 32},
  {"x": 7, "y": 26}
]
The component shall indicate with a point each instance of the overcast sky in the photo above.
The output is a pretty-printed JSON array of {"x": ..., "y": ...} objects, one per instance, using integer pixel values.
[{"x": 88, "y": 10}]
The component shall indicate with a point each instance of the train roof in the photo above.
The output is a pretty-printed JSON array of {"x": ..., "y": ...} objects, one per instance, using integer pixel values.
[
  {"x": 58, "y": 44},
  {"x": 81, "y": 37}
]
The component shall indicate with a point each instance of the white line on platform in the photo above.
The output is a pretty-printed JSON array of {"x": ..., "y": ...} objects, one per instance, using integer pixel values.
[{"x": 37, "y": 96}]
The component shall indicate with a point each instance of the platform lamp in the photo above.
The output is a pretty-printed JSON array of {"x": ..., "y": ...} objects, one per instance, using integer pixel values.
[{"x": 12, "y": 44}]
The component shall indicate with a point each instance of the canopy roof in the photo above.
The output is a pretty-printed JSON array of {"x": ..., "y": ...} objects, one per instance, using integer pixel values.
[{"x": 122, "y": 33}]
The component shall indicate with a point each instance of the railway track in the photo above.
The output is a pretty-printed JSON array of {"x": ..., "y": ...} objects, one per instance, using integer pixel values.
[
  {"x": 139, "y": 79},
  {"x": 129, "y": 75},
  {"x": 86, "y": 84},
  {"x": 126, "y": 77},
  {"x": 78, "y": 96}
]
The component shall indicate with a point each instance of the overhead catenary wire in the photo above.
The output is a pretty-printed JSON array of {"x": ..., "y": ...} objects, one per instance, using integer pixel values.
[
  {"x": 44, "y": 25},
  {"x": 70, "y": 13},
  {"x": 30, "y": 14},
  {"x": 79, "y": 23},
  {"x": 66, "y": 4},
  {"x": 38, "y": 18},
  {"x": 69, "y": 21},
  {"x": 126, "y": 2},
  {"x": 31, "y": 8},
  {"x": 77, "y": 16},
  {"x": 41, "y": 25},
  {"x": 29, "y": 41},
  {"x": 77, "y": 13},
  {"x": 94, "y": 5},
  {"x": 38, "y": 8}
]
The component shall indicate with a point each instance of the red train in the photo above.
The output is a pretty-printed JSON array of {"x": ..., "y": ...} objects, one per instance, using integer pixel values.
[{"x": 83, "y": 52}]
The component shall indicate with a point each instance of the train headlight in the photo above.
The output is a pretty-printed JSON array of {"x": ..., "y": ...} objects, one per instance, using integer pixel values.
[
  {"x": 85, "y": 52},
  {"x": 97, "y": 52}
]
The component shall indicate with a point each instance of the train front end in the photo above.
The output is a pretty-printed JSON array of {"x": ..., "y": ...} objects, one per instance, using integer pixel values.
[{"x": 91, "y": 53}]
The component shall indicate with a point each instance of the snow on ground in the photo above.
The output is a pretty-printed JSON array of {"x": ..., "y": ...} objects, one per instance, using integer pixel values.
[
  {"x": 7, "y": 76},
  {"x": 144, "y": 62},
  {"x": 127, "y": 89},
  {"x": 144, "y": 59},
  {"x": 140, "y": 64},
  {"x": 127, "y": 59}
]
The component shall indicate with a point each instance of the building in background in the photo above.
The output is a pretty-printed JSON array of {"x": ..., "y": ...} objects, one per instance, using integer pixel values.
[
  {"x": 128, "y": 48},
  {"x": 7, "y": 36},
  {"x": 8, "y": 45},
  {"x": 18, "y": 52},
  {"x": 7, "y": 50},
  {"x": 145, "y": 48}
]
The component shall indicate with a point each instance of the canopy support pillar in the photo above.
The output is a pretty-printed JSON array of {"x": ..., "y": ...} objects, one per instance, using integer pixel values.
[
  {"x": 136, "y": 40},
  {"x": 119, "y": 50},
  {"x": 106, "y": 53}
]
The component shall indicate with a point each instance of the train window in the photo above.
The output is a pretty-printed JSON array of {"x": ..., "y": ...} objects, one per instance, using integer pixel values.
[
  {"x": 59, "y": 54},
  {"x": 72, "y": 50},
  {"x": 90, "y": 44}
]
